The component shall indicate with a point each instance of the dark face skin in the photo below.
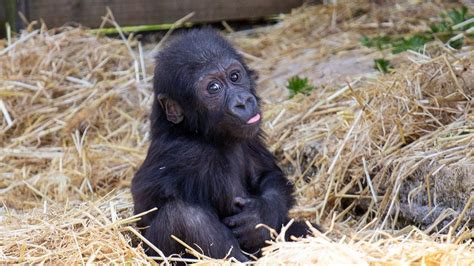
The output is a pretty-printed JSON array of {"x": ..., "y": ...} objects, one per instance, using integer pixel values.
[
  {"x": 224, "y": 91},
  {"x": 224, "y": 96}
]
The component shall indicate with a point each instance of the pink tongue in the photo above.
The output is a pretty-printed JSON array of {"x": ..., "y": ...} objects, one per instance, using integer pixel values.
[{"x": 254, "y": 119}]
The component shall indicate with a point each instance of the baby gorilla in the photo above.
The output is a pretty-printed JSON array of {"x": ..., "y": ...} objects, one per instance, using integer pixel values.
[{"x": 207, "y": 169}]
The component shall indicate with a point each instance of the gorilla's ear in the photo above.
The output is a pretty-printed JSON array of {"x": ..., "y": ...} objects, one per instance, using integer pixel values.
[{"x": 174, "y": 112}]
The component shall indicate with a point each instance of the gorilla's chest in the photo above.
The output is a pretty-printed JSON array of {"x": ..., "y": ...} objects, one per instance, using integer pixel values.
[
  {"x": 231, "y": 184},
  {"x": 223, "y": 178}
]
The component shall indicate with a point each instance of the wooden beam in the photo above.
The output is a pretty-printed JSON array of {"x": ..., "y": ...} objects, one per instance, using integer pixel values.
[
  {"x": 10, "y": 13},
  {"x": 141, "y": 12},
  {"x": 2, "y": 20}
]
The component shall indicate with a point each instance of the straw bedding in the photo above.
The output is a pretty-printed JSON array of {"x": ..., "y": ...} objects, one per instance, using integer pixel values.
[{"x": 384, "y": 162}]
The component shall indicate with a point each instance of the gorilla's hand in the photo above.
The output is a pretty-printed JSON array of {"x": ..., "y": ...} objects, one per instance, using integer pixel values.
[{"x": 251, "y": 212}]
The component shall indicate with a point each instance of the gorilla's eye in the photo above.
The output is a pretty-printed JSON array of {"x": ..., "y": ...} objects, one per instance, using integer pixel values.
[
  {"x": 234, "y": 76},
  {"x": 214, "y": 87}
]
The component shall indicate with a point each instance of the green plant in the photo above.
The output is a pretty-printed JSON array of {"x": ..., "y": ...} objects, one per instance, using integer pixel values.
[
  {"x": 459, "y": 16},
  {"x": 452, "y": 22},
  {"x": 414, "y": 43},
  {"x": 299, "y": 85},
  {"x": 382, "y": 65},
  {"x": 379, "y": 42}
]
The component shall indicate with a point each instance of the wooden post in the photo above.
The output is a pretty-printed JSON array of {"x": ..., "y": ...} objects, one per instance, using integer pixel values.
[
  {"x": 2, "y": 20},
  {"x": 56, "y": 13},
  {"x": 10, "y": 13}
]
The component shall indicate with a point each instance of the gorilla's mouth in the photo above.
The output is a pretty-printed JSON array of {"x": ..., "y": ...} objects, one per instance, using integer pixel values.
[{"x": 254, "y": 119}]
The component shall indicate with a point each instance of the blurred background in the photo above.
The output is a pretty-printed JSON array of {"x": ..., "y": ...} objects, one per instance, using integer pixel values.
[
  {"x": 56, "y": 13},
  {"x": 88, "y": 13}
]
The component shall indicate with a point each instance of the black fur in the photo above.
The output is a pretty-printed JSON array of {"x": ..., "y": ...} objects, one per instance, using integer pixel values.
[{"x": 212, "y": 184}]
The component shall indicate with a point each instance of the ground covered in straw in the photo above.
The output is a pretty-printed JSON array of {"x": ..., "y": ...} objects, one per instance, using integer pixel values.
[{"x": 384, "y": 162}]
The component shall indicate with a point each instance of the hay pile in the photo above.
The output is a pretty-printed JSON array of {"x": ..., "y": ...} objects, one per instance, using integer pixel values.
[
  {"x": 74, "y": 128},
  {"x": 367, "y": 157}
]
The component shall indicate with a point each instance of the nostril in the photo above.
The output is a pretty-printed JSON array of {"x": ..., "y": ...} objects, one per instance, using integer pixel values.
[
  {"x": 243, "y": 103},
  {"x": 240, "y": 106},
  {"x": 240, "y": 103},
  {"x": 248, "y": 99}
]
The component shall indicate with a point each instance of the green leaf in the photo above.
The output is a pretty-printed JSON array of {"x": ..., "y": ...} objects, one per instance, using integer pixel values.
[
  {"x": 458, "y": 16},
  {"x": 382, "y": 65},
  {"x": 457, "y": 44},
  {"x": 380, "y": 42},
  {"x": 299, "y": 85},
  {"x": 366, "y": 41},
  {"x": 440, "y": 27},
  {"x": 414, "y": 43}
]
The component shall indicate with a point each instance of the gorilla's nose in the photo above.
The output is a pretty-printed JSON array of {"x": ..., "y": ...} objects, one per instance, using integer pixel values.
[{"x": 243, "y": 105}]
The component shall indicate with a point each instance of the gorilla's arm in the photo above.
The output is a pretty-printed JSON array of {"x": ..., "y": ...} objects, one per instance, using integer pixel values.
[{"x": 268, "y": 205}]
